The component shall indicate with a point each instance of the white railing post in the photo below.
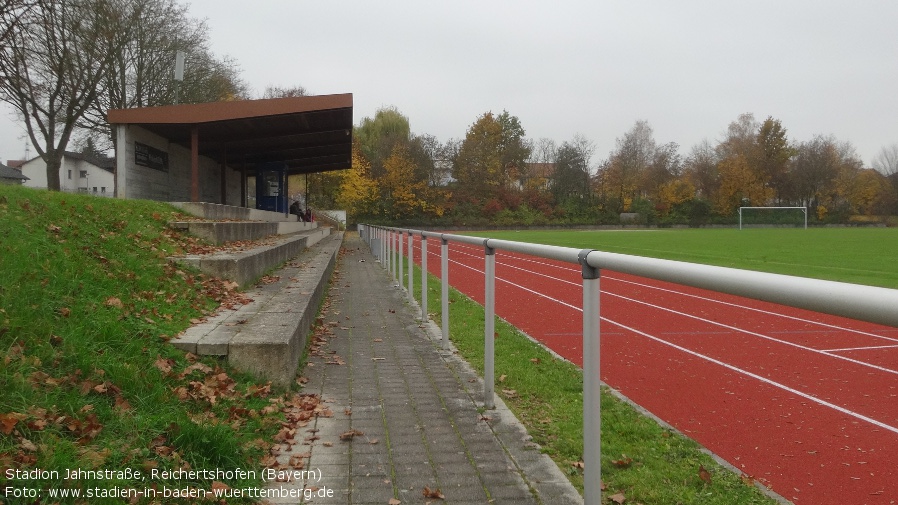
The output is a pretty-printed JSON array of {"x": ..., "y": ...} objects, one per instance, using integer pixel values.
[
  {"x": 423, "y": 277},
  {"x": 444, "y": 289},
  {"x": 400, "y": 258},
  {"x": 411, "y": 265},
  {"x": 592, "y": 389},
  {"x": 397, "y": 254},
  {"x": 489, "y": 326},
  {"x": 392, "y": 237}
]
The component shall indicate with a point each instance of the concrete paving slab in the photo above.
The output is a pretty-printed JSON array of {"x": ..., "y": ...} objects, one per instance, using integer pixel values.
[{"x": 419, "y": 414}]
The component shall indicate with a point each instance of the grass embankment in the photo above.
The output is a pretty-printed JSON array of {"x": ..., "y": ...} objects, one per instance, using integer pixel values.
[
  {"x": 87, "y": 381},
  {"x": 642, "y": 462},
  {"x": 855, "y": 255}
]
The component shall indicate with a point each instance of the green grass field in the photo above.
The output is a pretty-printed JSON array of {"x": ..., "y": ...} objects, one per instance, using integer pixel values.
[{"x": 856, "y": 255}]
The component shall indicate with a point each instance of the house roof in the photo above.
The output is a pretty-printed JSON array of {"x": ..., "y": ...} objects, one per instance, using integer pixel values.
[
  {"x": 11, "y": 173},
  {"x": 309, "y": 134},
  {"x": 107, "y": 163}
]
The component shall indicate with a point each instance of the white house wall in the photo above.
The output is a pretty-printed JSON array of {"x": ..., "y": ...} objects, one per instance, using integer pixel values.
[
  {"x": 173, "y": 185},
  {"x": 36, "y": 171}
]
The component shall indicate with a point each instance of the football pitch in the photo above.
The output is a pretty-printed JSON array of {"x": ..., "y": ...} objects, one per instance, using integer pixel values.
[{"x": 856, "y": 255}]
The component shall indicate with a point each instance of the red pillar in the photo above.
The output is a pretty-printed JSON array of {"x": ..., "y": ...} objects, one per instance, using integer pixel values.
[{"x": 194, "y": 164}]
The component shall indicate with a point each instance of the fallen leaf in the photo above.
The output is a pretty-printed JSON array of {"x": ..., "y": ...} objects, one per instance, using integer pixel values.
[
  {"x": 349, "y": 435},
  {"x": 623, "y": 462},
  {"x": 535, "y": 361},
  {"x": 393, "y": 501},
  {"x": 113, "y": 301},
  {"x": 8, "y": 422},
  {"x": 502, "y": 378},
  {"x": 433, "y": 493},
  {"x": 704, "y": 474},
  {"x": 219, "y": 485},
  {"x": 618, "y": 498}
]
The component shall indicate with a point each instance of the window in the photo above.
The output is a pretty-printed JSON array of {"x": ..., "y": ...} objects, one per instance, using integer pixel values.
[
  {"x": 95, "y": 189},
  {"x": 84, "y": 174},
  {"x": 102, "y": 189},
  {"x": 70, "y": 175}
]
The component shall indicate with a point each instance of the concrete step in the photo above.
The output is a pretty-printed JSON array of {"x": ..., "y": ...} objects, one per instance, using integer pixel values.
[
  {"x": 246, "y": 266},
  {"x": 219, "y": 232},
  {"x": 267, "y": 336},
  {"x": 217, "y": 211}
]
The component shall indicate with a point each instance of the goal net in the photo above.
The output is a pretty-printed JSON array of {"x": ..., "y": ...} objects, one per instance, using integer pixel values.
[{"x": 773, "y": 216}]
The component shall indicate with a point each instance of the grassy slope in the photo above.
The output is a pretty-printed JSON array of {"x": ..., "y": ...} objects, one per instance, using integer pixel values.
[
  {"x": 87, "y": 379},
  {"x": 856, "y": 255}
]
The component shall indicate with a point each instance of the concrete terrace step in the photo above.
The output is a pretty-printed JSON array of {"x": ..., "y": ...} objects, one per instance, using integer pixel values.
[
  {"x": 267, "y": 336},
  {"x": 216, "y": 211},
  {"x": 245, "y": 267},
  {"x": 219, "y": 232}
]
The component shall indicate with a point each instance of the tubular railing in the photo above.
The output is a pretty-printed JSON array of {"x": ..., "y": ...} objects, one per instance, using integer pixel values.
[{"x": 865, "y": 303}]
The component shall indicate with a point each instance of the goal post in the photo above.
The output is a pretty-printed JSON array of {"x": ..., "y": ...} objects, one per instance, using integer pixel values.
[{"x": 804, "y": 210}]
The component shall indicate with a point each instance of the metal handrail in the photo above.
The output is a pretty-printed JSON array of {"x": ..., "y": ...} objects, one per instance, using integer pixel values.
[{"x": 864, "y": 303}]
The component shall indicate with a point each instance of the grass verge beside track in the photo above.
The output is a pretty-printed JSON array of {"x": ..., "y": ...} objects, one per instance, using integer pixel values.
[
  {"x": 642, "y": 461},
  {"x": 855, "y": 255}
]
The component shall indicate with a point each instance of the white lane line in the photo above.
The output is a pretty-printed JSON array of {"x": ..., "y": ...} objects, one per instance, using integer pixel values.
[
  {"x": 870, "y": 348},
  {"x": 766, "y": 312},
  {"x": 729, "y": 366},
  {"x": 724, "y": 364},
  {"x": 702, "y": 319},
  {"x": 756, "y": 334},
  {"x": 703, "y": 298},
  {"x": 762, "y": 379}
]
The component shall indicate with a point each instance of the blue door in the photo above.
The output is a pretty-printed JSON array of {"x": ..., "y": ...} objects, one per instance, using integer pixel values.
[{"x": 271, "y": 193}]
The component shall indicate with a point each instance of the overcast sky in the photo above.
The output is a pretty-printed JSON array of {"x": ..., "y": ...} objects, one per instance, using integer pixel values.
[{"x": 688, "y": 67}]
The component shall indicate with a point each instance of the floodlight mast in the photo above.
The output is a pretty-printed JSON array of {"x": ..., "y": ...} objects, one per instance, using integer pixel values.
[
  {"x": 179, "y": 73},
  {"x": 803, "y": 209}
]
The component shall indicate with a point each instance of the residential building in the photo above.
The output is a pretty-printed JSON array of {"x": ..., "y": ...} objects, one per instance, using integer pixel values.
[
  {"x": 79, "y": 173},
  {"x": 9, "y": 175}
]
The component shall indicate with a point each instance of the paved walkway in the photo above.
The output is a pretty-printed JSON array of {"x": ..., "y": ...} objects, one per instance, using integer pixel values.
[{"x": 408, "y": 410}]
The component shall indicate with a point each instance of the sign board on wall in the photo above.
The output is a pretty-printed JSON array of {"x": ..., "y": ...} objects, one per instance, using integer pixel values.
[{"x": 148, "y": 156}]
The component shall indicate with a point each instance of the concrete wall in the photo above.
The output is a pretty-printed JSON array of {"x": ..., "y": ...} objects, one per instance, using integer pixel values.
[{"x": 172, "y": 185}]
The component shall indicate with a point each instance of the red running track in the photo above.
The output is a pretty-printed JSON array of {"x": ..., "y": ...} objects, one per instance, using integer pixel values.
[{"x": 805, "y": 403}]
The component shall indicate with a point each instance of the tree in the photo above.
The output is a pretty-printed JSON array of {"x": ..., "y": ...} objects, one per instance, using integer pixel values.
[
  {"x": 514, "y": 146},
  {"x": 740, "y": 185},
  {"x": 700, "y": 169},
  {"x": 478, "y": 164},
  {"x": 571, "y": 181},
  {"x": 358, "y": 191},
  {"x": 148, "y": 33},
  {"x": 53, "y": 69},
  {"x": 871, "y": 194},
  {"x": 741, "y": 138},
  {"x": 12, "y": 14},
  {"x": 624, "y": 174},
  {"x": 404, "y": 193},
  {"x": 887, "y": 160},
  {"x": 377, "y": 136},
  {"x": 774, "y": 152},
  {"x": 279, "y": 92}
]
